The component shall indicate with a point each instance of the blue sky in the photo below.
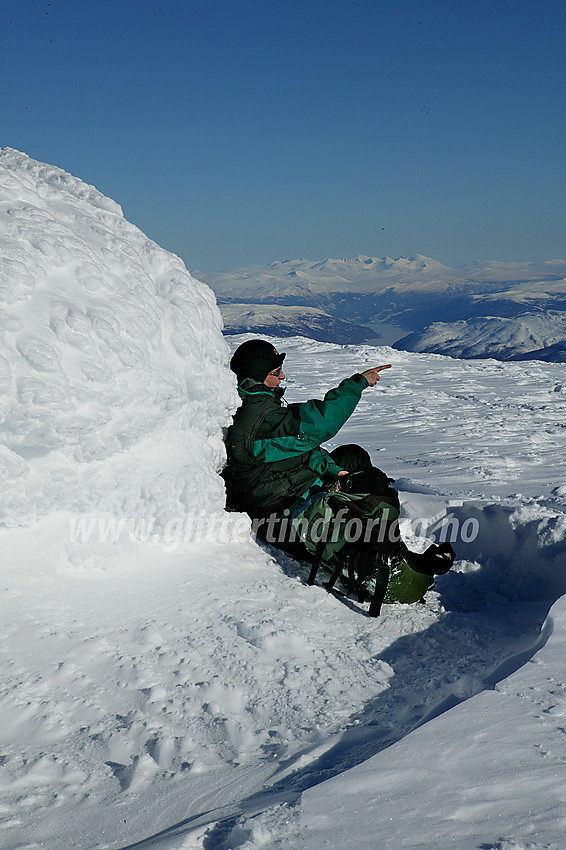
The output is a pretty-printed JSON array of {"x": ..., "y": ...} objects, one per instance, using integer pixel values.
[{"x": 247, "y": 132}]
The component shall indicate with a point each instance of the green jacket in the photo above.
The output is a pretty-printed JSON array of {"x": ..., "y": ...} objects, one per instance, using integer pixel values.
[{"x": 274, "y": 454}]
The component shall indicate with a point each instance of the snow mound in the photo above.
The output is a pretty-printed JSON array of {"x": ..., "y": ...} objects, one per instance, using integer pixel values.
[{"x": 111, "y": 355}]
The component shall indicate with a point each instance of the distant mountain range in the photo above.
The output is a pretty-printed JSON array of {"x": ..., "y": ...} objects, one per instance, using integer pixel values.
[{"x": 501, "y": 310}]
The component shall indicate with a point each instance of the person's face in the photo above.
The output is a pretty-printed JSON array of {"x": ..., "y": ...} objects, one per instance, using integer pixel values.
[{"x": 274, "y": 378}]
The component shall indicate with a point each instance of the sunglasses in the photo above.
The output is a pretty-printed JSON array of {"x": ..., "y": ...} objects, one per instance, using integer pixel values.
[{"x": 276, "y": 372}]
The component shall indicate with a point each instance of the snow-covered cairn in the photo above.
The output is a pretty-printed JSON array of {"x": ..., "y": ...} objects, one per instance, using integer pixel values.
[{"x": 113, "y": 379}]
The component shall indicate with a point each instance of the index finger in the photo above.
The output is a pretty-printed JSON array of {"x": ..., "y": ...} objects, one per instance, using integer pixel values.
[{"x": 381, "y": 368}]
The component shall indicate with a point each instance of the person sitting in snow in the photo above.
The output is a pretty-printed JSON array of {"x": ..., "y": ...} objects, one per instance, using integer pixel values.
[{"x": 277, "y": 472}]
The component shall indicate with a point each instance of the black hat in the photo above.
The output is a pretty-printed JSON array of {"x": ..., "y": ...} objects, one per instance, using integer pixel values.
[{"x": 255, "y": 359}]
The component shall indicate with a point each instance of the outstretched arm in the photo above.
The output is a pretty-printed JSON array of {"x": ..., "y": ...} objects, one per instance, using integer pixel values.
[{"x": 303, "y": 426}]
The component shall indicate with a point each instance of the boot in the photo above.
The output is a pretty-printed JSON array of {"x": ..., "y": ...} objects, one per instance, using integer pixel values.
[{"x": 436, "y": 561}]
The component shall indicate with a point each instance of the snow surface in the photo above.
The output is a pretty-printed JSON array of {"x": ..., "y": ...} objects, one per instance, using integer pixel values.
[{"x": 166, "y": 682}]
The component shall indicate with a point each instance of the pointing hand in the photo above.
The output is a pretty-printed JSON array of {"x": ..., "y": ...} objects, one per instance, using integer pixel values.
[{"x": 372, "y": 375}]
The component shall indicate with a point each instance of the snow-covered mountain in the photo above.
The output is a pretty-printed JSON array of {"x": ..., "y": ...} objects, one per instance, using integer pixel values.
[
  {"x": 166, "y": 681},
  {"x": 539, "y": 335},
  {"x": 415, "y": 294},
  {"x": 281, "y": 320},
  {"x": 280, "y": 282}
]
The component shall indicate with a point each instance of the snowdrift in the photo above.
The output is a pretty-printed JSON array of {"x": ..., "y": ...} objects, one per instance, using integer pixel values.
[
  {"x": 109, "y": 352},
  {"x": 468, "y": 778}
]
